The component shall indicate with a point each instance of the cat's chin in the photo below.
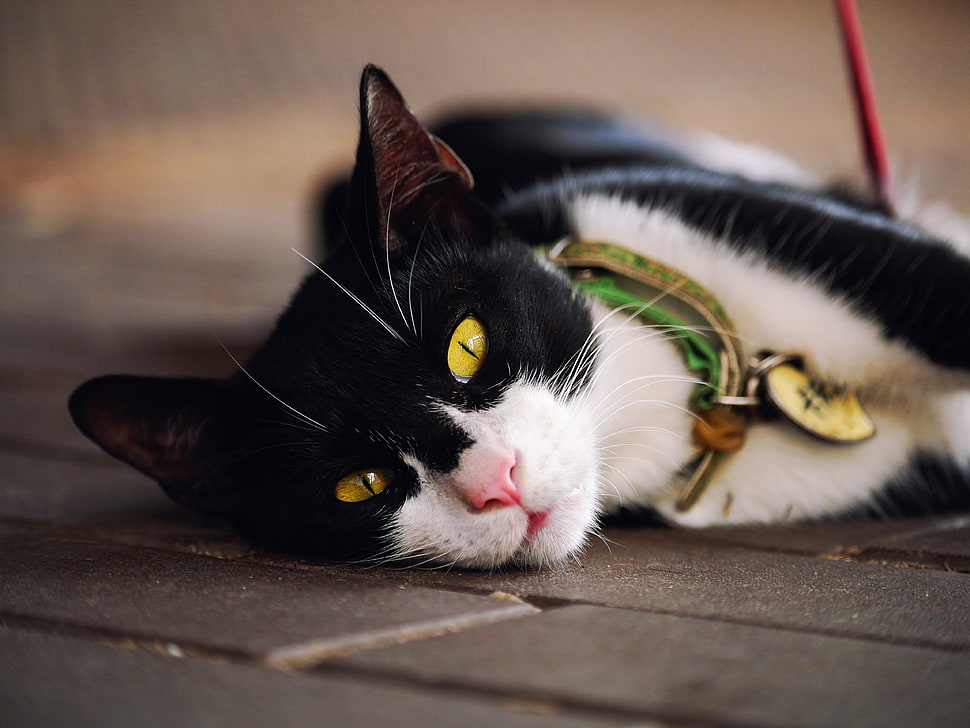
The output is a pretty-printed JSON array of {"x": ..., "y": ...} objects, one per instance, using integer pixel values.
[
  {"x": 549, "y": 545},
  {"x": 510, "y": 537}
]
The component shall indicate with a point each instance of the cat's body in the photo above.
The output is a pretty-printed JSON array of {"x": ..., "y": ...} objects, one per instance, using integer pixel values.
[{"x": 488, "y": 412}]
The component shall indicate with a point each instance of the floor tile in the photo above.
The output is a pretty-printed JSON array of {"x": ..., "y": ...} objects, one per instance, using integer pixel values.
[
  {"x": 686, "y": 669},
  {"x": 39, "y": 417},
  {"x": 61, "y": 489},
  {"x": 942, "y": 544},
  {"x": 47, "y": 681},
  {"x": 822, "y": 538},
  {"x": 680, "y": 573},
  {"x": 285, "y": 616},
  {"x": 58, "y": 489}
]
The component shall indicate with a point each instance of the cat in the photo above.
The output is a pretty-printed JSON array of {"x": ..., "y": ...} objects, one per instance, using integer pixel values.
[{"x": 440, "y": 391}]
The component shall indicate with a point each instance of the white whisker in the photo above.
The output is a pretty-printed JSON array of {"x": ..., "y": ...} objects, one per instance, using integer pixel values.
[
  {"x": 414, "y": 261},
  {"x": 356, "y": 300},
  {"x": 613, "y": 457},
  {"x": 294, "y": 410},
  {"x": 387, "y": 257}
]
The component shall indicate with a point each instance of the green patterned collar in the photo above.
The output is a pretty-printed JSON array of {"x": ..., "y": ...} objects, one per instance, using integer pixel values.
[
  {"x": 665, "y": 297},
  {"x": 773, "y": 385}
]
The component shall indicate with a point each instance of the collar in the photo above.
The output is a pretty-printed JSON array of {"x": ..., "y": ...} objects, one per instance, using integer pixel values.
[
  {"x": 731, "y": 394},
  {"x": 666, "y": 297}
]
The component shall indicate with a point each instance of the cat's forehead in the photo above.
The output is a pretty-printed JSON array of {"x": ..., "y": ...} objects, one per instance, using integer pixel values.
[{"x": 363, "y": 346}]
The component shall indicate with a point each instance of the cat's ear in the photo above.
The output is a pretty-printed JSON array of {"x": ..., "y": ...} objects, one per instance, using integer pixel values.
[
  {"x": 155, "y": 424},
  {"x": 412, "y": 176}
]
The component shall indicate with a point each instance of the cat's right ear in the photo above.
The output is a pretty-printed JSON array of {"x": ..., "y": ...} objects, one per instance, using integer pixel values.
[
  {"x": 405, "y": 178},
  {"x": 155, "y": 424}
]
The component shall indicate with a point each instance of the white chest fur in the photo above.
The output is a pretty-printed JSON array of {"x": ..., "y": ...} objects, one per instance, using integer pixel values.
[{"x": 781, "y": 473}]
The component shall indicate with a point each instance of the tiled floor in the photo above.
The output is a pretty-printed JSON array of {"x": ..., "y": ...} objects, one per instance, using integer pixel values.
[{"x": 154, "y": 164}]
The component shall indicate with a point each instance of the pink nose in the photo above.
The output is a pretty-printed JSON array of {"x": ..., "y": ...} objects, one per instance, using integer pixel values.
[{"x": 497, "y": 489}]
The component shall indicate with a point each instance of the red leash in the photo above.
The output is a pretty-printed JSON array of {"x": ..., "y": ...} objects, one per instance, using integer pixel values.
[{"x": 877, "y": 164}]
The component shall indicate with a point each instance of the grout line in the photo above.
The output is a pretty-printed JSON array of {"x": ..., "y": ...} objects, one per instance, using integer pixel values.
[
  {"x": 945, "y": 523},
  {"x": 123, "y": 640},
  {"x": 523, "y": 702},
  {"x": 869, "y": 555},
  {"x": 887, "y": 556},
  {"x": 536, "y": 701},
  {"x": 548, "y": 604},
  {"x": 829, "y": 633},
  {"x": 308, "y": 655}
]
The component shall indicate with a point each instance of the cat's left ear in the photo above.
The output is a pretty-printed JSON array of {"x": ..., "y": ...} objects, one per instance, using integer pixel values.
[
  {"x": 161, "y": 426},
  {"x": 412, "y": 176}
]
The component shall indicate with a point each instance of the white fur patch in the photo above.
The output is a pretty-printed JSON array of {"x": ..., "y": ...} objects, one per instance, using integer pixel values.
[
  {"x": 555, "y": 472},
  {"x": 625, "y": 438},
  {"x": 748, "y": 160},
  {"x": 638, "y": 400},
  {"x": 781, "y": 472}
]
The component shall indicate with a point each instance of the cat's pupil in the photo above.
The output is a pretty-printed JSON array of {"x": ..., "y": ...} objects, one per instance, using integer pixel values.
[
  {"x": 361, "y": 485},
  {"x": 470, "y": 350},
  {"x": 467, "y": 349}
]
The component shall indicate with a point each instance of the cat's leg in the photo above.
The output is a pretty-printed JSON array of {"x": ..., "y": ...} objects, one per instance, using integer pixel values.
[{"x": 918, "y": 463}]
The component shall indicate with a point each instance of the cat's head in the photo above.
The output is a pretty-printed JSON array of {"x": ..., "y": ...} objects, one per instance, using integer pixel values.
[{"x": 421, "y": 397}]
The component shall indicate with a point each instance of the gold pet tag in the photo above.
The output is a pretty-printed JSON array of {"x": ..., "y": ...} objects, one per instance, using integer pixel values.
[{"x": 824, "y": 411}]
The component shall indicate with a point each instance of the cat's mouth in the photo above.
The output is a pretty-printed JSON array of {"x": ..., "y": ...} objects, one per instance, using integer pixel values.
[{"x": 536, "y": 521}]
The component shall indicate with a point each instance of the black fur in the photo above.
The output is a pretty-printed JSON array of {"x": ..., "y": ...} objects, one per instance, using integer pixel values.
[
  {"x": 409, "y": 238},
  {"x": 421, "y": 252},
  {"x": 912, "y": 284},
  {"x": 930, "y": 485}
]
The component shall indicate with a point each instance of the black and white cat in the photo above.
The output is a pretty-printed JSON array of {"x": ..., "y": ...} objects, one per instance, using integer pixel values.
[{"x": 439, "y": 391}]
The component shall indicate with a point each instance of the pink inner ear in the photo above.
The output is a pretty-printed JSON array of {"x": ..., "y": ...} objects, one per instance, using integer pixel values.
[
  {"x": 451, "y": 161},
  {"x": 150, "y": 423},
  {"x": 416, "y": 175}
]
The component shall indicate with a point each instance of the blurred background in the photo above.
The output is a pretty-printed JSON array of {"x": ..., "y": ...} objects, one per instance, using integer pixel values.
[{"x": 157, "y": 158}]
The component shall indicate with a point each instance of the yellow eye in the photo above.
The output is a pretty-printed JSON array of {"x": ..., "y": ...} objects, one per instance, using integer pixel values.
[
  {"x": 467, "y": 349},
  {"x": 361, "y": 485}
]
